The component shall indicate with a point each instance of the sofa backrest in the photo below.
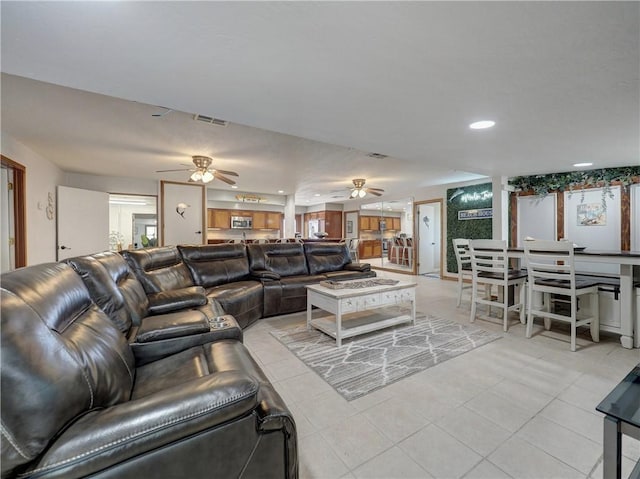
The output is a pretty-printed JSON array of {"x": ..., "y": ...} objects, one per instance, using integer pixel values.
[
  {"x": 212, "y": 265},
  {"x": 61, "y": 357},
  {"x": 113, "y": 287},
  {"x": 159, "y": 269},
  {"x": 325, "y": 257},
  {"x": 285, "y": 259}
]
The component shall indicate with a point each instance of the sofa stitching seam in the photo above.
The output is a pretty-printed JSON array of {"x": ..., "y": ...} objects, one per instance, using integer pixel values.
[
  {"x": 12, "y": 440},
  {"x": 144, "y": 432}
]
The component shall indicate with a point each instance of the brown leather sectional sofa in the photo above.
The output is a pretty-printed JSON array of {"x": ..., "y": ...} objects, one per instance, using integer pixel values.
[{"x": 133, "y": 365}]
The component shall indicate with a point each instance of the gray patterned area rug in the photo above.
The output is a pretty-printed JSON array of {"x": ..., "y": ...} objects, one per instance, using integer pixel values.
[{"x": 374, "y": 360}]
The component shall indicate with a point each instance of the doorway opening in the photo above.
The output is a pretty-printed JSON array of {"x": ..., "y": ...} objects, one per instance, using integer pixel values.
[
  {"x": 133, "y": 221},
  {"x": 429, "y": 231}
]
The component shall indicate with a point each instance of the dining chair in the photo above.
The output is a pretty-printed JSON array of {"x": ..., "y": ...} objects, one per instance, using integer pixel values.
[
  {"x": 353, "y": 248},
  {"x": 261, "y": 241},
  {"x": 490, "y": 267},
  {"x": 463, "y": 259},
  {"x": 551, "y": 269},
  {"x": 396, "y": 251},
  {"x": 407, "y": 251}
]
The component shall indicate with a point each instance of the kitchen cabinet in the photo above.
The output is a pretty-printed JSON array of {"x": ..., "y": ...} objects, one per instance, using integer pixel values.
[
  {"x": 218, "y": 218},
  {"x": 369, "y": 223},
  {"x": 369, "y": 249},
  {"x": 266, "y": 220},
  {"x": 393, "y": 223}
]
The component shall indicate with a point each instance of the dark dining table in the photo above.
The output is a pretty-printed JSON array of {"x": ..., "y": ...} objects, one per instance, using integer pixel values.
[{"x": 629, "y": 262}]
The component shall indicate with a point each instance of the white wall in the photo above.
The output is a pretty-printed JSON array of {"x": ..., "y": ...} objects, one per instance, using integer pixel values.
[
  {"x": 601, "y": 237},
  {"x": 537, "y": 218},
  {"x": 112, "y": 184},
  {"x": 42, "y": 177}
]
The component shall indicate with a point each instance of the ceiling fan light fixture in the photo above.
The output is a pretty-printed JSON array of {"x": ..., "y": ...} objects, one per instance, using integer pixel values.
[
  {"x": 361, "y": 193},
  {"x": 196, "y": 176},
  {"x": 207, "y": 176}
]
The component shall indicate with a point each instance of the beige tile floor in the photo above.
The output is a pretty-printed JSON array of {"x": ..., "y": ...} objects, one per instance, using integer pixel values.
[{"x": 515, "y": 408}]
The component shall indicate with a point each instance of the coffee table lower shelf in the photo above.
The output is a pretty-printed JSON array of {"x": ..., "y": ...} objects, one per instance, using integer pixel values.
[{"x": 355, "y": 324}]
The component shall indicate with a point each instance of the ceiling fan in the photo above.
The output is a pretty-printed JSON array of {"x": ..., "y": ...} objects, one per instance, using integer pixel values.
[
  {"x": 203, "y": 173},
  {"x": 359, "y": 190}
]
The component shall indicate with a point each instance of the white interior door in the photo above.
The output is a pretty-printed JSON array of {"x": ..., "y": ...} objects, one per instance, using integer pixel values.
[
  {"x": 429, "y": 233},
  {"x": 7, "y": 232},
  {"x": 82, "y": 222},
  {"x": 183, "y": 213}
]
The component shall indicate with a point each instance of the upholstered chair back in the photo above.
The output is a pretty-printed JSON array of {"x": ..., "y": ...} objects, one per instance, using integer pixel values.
[
  {"x": 285, "y": 259},
  {"x": 324, "y": 257},
  {"x": 113, "y": 287},
  {"x": 213, "y": 265},
  {"x": 159, "y": 269},
  {"x": 61, "y": 356}
]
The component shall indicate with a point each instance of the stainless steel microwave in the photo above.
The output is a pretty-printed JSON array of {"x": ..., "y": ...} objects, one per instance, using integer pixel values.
[{"x": 241, "y": 222}]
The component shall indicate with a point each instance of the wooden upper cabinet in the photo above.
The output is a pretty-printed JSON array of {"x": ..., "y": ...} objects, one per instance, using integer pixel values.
[
  {"x": 267, "y": 220},
  {"x": 218, "y": 218},
  {"x": 259, "y": 220},
  {"x": 369, "y": 223},
  {"x": 274, "y": 220}
]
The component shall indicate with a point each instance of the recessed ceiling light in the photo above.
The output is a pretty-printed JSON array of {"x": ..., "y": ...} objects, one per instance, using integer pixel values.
[
  {"x": 578, "y": 165},
  {"x": 280, "y": 191},
  {"x": 235, "y": 187},
  {"x": 317, "y": 194},
  {"x": 481, "y": 125}
]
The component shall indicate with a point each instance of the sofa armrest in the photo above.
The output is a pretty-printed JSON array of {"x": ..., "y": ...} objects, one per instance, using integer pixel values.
[
  {"x": 172, "y": 325},
  {"x": 107, "y": 437},
  {"x": 357, "y": 267},
  {"x": 264, "y": 274},
  {"x": 168, "y": 301}
]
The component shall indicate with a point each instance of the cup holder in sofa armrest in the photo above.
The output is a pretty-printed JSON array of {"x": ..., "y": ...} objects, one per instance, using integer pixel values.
[
  {"x": 185, "y": 298},
  {"x": 172, "y": 325},
  {"x": 357, "y": 267},
  {"x": 264, "y": 274}
]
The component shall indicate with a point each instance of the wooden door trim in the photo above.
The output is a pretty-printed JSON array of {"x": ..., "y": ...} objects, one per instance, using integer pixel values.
[{"x": 19, "y": 209}]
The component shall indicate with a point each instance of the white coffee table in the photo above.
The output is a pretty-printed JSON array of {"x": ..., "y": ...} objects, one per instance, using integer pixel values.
[{"x": 360, "y": 310}]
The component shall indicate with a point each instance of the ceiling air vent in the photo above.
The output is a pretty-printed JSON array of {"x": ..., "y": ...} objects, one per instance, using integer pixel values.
[
  {"x": 378, "y": 156},
  {"x": 210, "y": 119}
]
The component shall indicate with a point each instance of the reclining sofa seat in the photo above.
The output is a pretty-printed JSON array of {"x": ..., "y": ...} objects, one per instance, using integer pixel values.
[
  {"x": 223, "y": 270},
  {"x": 115, "y": 289},
  {"x": 285, "y": 270},
  {"x": 74, "y": 403}
]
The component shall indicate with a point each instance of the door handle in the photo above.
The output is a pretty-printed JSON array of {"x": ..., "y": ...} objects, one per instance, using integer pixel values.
[
  {"x": 64, "y": 247},
  {"x": 198, "y": 232}
]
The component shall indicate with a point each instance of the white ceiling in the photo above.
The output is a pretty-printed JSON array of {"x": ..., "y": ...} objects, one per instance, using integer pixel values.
[{"x": 335, "y": 80}]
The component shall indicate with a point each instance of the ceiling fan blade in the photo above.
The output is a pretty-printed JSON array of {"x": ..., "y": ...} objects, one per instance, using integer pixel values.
[
  {"x": 166, "y": 171},
  {"x": 223, "y": 178},
  {"x": 374, "y": 193},
  {"x": 374, "y": 189},
  {"x": 225, "y": 172}
]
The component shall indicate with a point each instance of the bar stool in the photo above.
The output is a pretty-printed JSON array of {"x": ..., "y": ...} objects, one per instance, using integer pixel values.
[
  {"x": 490, "y": 266},
  {"x": 551, "y": 269},
  {"x": 463, "y": 259}
]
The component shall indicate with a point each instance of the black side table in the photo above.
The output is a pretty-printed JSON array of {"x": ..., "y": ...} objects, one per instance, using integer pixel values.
[{"x": 622, "y": 416}]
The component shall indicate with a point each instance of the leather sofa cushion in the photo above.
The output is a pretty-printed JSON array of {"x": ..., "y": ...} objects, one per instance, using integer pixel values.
[
  {"x": 242, "y": 299},
  {"x": 323, "y": 257},
  {"x": 172, "y": 325},
  {"x": 113, "y": 287},
  {"x": 285, "y": 259},
  {"x": 287, "y": 295},
  {"x": 213, "y": 265},
  {"x": 61, "y": 355},
  {"x": 175, "y": 300},
  {"x": 159, "y": 269}
]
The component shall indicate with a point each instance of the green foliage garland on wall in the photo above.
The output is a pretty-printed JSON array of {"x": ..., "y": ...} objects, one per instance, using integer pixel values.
[
  {"x": 572, "y": 181},
  {"x": 471, "y": 229}
]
